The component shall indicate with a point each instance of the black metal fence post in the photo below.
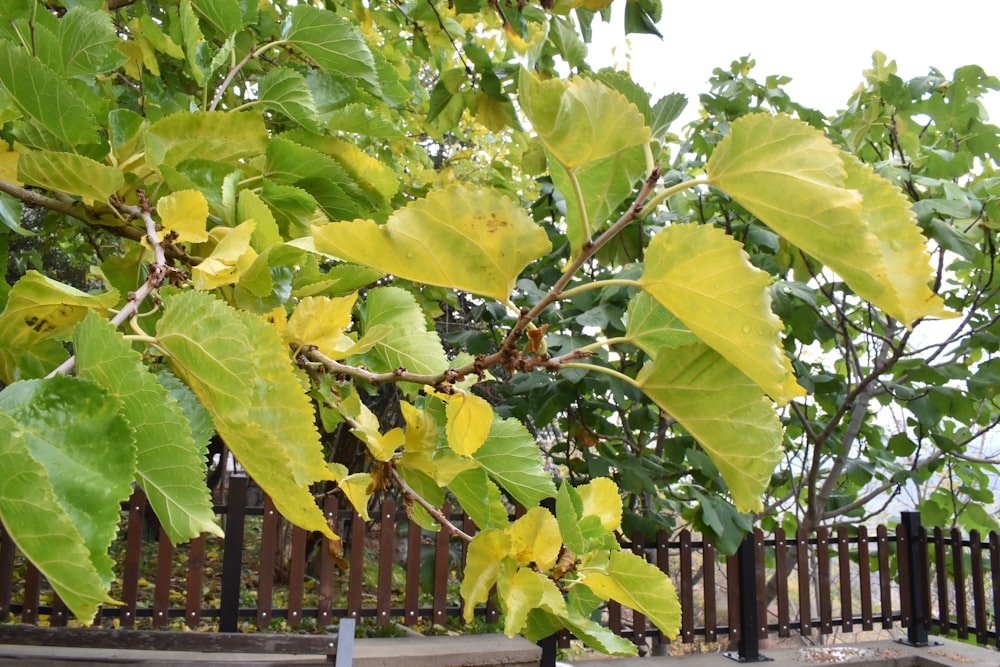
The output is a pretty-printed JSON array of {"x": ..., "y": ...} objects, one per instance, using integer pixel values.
[
  {"x": 232, "y": 554},
  {"x": 746, "y": 565},
  {"x": 916, "y": 633}
]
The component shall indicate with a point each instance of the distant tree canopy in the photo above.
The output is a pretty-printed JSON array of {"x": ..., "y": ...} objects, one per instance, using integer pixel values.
[{"x": 422, "y": 248}]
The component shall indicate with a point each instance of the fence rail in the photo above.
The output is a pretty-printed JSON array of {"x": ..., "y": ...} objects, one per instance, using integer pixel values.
[{"x": 834, "y": 580}]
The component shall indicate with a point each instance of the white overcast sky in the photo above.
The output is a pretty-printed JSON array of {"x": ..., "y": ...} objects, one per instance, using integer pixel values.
[{"x": 823, "y": 46}]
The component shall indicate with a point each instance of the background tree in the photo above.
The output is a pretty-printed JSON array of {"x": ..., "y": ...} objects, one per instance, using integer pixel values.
[{"x": 389, "y": 248}]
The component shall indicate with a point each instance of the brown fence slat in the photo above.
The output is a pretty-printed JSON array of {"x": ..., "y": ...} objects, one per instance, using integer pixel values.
[
  {"x": 687, "y": 590},
  {"x": 758, "y": 545},
  {"x": 639, "y": 620},
  {"x": 926, "y": 568},
  {"x": 268, "y": 552},
  {"x": 995, "y": 580},
  {"x": 327, "y": 585},
  {"x": 29, "y": 606},
  {"x": 958, "y": 568},
  {"x": 414, "y": 537},
  {"x": 733, "y": 598},
  {"x": 865, "y": 578},
  {"x": 164, "y": 581},
  {"x": 805, "y": 583},
  {"x": 133, "y": 552},
  {"x": 386, "y": 546},
  {"x": 355, "y": 585},
  {"x": 663, "y": 564},
  {"x": 296, "y": 576},
  {"x": 442, "y": 543},
  {"x": 978, "y": 587},
  {"x": 708, "y": 579},
  {"x": 844, "y": 572},
  {"x": 884, "y": 576},
  {"x": 7, "y": 549},
  {"x": 196, "y": 572},
  {"x": 941, "y": 579},
  {"x": 57, "y": 619},
  {"x": 615, "y": 617},
  {"x": 823, "y": 575},
  {"x": 781, "y": 581}
]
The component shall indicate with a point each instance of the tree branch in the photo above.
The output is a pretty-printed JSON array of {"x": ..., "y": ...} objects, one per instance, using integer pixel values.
[{"x": 433, "y": 511}]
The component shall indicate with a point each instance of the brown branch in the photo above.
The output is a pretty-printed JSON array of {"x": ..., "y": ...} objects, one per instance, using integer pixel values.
[{"x": 433, "y": 511}]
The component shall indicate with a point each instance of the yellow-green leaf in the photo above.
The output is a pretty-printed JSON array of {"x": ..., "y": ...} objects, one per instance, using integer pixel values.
[
  {"x": 601, "y": 498},
  {"x": 222, "y": 136},
  {"x": 366, "y": 429},
  {"x": 724, "y": 410},
  {"x": 638, "y": 584},
  {"x": 534, "y": 538},
  {"x": 395, "y": 327},
  {"x": 229, "y": 260},
  {"x": 703, "y": 276},
  {"x": 186, "y": 213},
  {"x": 482, "y": 566},
  {"x": 463, "y": 237},
  {"x": 829, "y": 205},
  {"x": 70, "y": 174},
  {"x": 321, "y": 321},
  {"x": 40, "y": 309},
  {"x": 523, "y": 590},
  {"x": 580, "y": 120},
  {"x": 357, "y": 487}
]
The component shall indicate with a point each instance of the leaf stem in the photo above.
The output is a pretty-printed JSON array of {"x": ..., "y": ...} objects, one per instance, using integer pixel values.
[
  {"x": 233, "y": 71},
  {"x": 603, "y": 369},
  {"x": 578, "y": 193},
  {"x": 598, "y": 284},
  {"x": 660, "y": 197}
]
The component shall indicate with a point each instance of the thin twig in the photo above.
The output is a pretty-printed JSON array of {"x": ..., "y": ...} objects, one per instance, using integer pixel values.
[{"x": 433, "y": 511}]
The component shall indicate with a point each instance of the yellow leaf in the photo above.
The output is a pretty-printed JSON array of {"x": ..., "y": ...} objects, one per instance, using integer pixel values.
[
  {"x": 703, "y": 276},
  {"x": 469, "y": 421},
  {"x": 321, "y": 321},
  {"x": 535, "y": 538},
  {"x": 228, "y": 261},
  {"x": 186, "y": 213},
  {"x": 421, "y": 429},
  {"x": 357, "y": 488},
  {"x": 464, "y": 237},
  {"x": 601, "y": 498},
  {"x": 382, "y": 447},
  {"x": 482, "y": 566},
  {"x": 8, "y": 165}
]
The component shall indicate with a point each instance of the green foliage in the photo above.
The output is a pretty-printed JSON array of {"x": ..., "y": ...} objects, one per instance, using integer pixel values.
[{"x": 340, "y": 250}]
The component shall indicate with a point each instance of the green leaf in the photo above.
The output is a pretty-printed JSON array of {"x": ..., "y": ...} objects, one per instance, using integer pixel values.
[
  {"x": 78, "y": 434},
  {"x": 482, "y": 566},
  {"x": 407, "y": 343},
  {"x": 285, "y": 90},
  {"x": 40, "y": 310},
  {"x": 653, "y": 328},
  {"x": 331, "y": 42},
  {"x": 170, "y": 466},
  {"x": 569, "y": 511},
  {"x": 480, "y": 498},
  {"x": 220, "y": 136},
  {"x": 226, "y": 16},
  {"x": 596, "y": 636},
  {"x": 724, "y": 410},
  {"x": 42, "y": 529},
  {"x": 666, "y": 110},
  {"x": 70, "y": 174},
  {"x": 635, "y": 583},
  {"x": 512, "y": 457},
  {"x": 795, "y": 180},
  {"x": 194, "y": 41},
  {"x": 703, "y": 276},
  {"x": 208, "y": 349},
  {"x": 45, "y": 97},
  {"x": 467, "y": 238},
  {"x": 638, "y": 20},
  {"x": 87, "y": 40}
]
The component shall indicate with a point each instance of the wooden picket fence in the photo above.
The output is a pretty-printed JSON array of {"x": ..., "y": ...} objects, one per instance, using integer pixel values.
[{"x": 839, "y": 580}]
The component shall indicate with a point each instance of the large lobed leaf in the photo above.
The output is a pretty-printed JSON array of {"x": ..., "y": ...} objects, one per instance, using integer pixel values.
[
  {"x": 638, "y": 584},
  {"x": 210, "y": 135},
  {"x": 170, "y": 467},
  {"x": 463, "y": 237},
  {"x": 703, "y": 276},
  {"x": 238, "y": 367},
  {"x": 45, "y": 97},
  {"x": 512, "y": 457},
  {"x": 42, "y": 529},
  {"x": 331, "y": 41},
  {"x": 77, "y": 434},
  {"x": 39, "y": 312},
  {"x": 829, "y": 205},
  {"x": 69, "y": 173}
]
